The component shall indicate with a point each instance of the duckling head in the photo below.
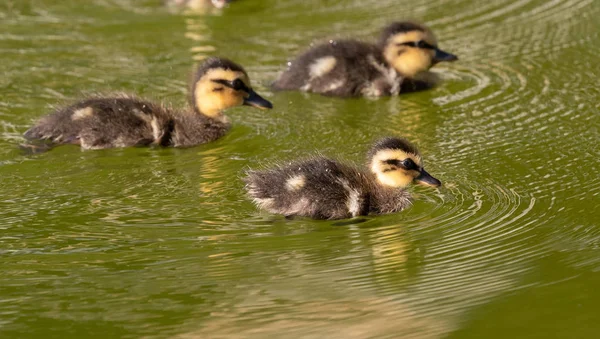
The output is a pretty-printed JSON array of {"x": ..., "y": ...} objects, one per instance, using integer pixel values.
[
  {"x": 411, "y": 48},
  {"x": 396, "y": 163},
  {"x": 220, "y": 84}
]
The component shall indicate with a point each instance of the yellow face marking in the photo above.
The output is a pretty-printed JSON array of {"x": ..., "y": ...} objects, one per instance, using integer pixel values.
[
  {"x": 212, "y": 98},
  {"x": 389, "y": 176},
  {"x": 82, "y": 113},
  {"x": 407, "y": 60},
  {"x": 396, "y": 178}
]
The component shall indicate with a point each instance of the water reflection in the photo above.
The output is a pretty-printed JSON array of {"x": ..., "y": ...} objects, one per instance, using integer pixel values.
[
  {"x": 197, "y": 6},
  {"x": 200, "y": 34},
  {"x": 356, "y": 317}
]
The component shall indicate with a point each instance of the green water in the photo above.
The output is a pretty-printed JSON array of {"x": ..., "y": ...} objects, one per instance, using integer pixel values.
[{"x": 163, "y": 243}]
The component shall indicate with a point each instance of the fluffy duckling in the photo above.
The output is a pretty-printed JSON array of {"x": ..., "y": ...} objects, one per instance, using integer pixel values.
[
  {"x": 122, "y": 121},
  {"x": 353, "y": 68},
  {"x": 322, "y": 188}
]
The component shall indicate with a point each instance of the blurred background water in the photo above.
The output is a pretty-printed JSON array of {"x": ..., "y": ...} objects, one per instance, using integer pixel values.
[{"x": 163, "y": 242}]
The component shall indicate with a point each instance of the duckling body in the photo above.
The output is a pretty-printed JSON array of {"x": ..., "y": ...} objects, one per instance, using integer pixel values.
[
  {"x": 352, "y": 68},
  {"x": 341, "y": 68},
  {"x": 322, "y": 188},
  {"x": 122, "y": 121}
]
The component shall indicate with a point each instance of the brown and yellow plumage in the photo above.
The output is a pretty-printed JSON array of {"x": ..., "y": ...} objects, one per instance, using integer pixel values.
[
  {"x": 123, "y": 120},
  {"x": 323, "y": 188}
]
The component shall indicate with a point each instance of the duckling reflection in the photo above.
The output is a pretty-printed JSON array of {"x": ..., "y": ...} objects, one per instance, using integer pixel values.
[
  {"x": 122, "y": 120},
  {"x": 398, "y": 63},
  {"x": 322, "y": 188}
]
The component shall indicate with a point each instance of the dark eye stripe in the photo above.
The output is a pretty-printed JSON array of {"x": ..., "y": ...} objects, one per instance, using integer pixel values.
[
  {"x": 408, "y": 43},
  {"x": 408, "y": 163},
  {"x": 417, "y": 44},
  {"x": 236, "y": 84}
]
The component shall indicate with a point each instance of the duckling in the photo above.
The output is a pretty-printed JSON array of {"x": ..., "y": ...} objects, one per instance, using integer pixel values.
[
  {"x": 323, "y": 188},
  {"x": 121, "y": 121},
  {"x": 197, "y": 4},
  {"x": 352, "y": 68}
]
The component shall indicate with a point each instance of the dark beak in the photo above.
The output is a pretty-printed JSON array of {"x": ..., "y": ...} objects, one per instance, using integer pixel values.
[
  {"x": 443, "y": 56},
  {"x": 426, "y": 179},
  {"x": 256, "y": 100}
]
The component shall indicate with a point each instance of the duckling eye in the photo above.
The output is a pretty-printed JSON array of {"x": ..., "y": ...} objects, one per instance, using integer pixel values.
[
  {"x": 409, "y": 164},
  {"x": 238, "y": 85}
]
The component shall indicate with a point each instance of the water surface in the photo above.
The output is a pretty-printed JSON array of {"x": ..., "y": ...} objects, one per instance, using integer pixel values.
[{"x": 163, "y": 243}]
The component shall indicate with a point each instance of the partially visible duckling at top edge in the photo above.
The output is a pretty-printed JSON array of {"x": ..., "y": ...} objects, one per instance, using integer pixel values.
[
  {"x": 197, "y": 4},
  {"x": 322, "y": 188},
  {"x": 406, "y": 50},
  {"x": 122, "y": 121}
]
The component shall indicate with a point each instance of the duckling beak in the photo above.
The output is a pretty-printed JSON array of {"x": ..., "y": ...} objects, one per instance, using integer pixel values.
[
  {"x": 256, "y": 100},
  {"x": 443, "y": 56},
  {"x": 426, "y": 179}
]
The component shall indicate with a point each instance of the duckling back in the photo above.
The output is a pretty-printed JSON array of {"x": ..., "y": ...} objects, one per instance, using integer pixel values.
[
  {"x": 124, "y": 121},
  {"x": 105, "y": 122},
  {"x": 340, "y": 68},
  {"x": 322, "y": 188},
  {"x": 319, "y": 188}
]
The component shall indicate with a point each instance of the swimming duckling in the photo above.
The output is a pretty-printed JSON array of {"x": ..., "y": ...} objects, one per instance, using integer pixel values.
[
  {"x": 122, "y": 121},
  {"x": 198, "y": 4},
  {"x": 353, "y": 68},
  {"x": 322, "y": 188}
]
